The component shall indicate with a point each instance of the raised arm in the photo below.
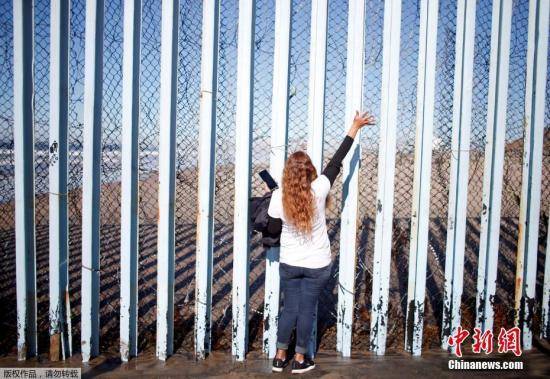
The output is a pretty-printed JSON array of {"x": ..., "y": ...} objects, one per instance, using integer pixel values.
[{"x": 333, "y": 167}]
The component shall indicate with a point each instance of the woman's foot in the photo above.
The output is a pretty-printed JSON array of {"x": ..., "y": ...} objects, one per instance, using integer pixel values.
[
  {"x": 279, "y": 364},
  {"x": 300, "y": 367},
  {"x": 280, "y": 361}
]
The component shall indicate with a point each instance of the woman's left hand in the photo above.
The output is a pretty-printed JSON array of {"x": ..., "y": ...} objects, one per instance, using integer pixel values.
[
  {"x": 363, "y": 119},
  {"x": 359, "y": 121}
]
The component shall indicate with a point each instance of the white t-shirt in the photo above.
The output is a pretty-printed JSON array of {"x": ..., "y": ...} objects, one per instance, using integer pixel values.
[{"x": 297, "y": 249}]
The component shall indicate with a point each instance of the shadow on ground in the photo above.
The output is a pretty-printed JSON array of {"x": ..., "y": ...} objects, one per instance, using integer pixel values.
[{"x": 222, "y": 279}]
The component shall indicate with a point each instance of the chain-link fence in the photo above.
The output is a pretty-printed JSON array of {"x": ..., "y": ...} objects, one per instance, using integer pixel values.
[
  {"x": 189, "y": 61},
  {"x": 443, "y": 119}
]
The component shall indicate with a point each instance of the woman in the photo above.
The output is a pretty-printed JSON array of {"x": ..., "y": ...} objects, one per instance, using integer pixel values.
[{"x": 298, "y": 213}]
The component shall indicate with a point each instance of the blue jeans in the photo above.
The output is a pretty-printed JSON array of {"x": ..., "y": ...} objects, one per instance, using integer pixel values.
[{"x": 301, "y": 288}]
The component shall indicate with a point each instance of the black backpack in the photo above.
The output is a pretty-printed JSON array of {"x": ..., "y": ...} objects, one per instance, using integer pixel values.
[{"x": 258, "y": 213}]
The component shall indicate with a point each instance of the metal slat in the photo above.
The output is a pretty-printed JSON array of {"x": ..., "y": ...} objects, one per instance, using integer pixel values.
[
  {"x": 129, "y": 219},
  {"x": 420, "y": 215},
  {"x": 60, "y": 321},
  {"x": 494, "y": 163},
  {"x": 23, "y": 139},
  {"x": 386, "y": 171},
  {"x": 243, "y": 150},
  {"x": 279, "y": 136},
  {"x": 91, "y": 180},
  {"x": 460, "y": 155},
  {"x": 207, "y": 143},
  {"x": 167, "y": 173},
  {"x": 348, "y": 231},
  {"x": 535, "y": 91}
]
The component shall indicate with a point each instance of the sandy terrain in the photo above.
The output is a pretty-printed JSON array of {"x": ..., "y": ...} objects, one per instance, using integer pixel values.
[{"x": 222, "y": 273}]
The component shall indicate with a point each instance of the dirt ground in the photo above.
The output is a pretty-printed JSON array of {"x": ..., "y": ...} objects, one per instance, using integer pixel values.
[
  {"x": 185, "y": 239},
  {"x": 221, "y": 315},
  {"x": 432, "y": 364}
]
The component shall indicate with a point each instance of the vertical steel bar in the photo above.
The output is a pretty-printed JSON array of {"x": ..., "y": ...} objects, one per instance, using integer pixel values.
[
  {"x": 60, "y": 330},
  {"x": 460, "y": 155},
  {"x": 386, "y": 170},
  {"x": 243, "y": 148},
  {"x": 207, "y": 144},
  {"x": 535, "y": 91},
  {"x": 317, "y": 76},
  {"x": 545, "y": 318},
  {"x": 167, "y": 173},
  {"x": 493, "y": 162},
  {"x": 279, "y": 136},
  {"x": 129, "y": 220},
  {"x": 420, "y": 214},
  {"x": 348, "y": 225},
  {"x": 23, "y": 138},
  {"x": 91, "y": 180}
]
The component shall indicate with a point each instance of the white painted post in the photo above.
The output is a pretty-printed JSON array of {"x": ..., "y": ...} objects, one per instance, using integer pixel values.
[
  {"x": 317, "y": 76},
  {"x": 316, "y": 103},
  {"x": 493, "y": 162},
  {"x": 23, "y": 138},
  {"x": 91, "y": 180},
  {"x": 207, "y": 144},
  {"x": 243, "y": 149},
  {"x": 420, "y": 214},
  {"x": 129, "y": 219},
  {"x": 545, "y": 319},
  {"x": 386, "y": 170},
  {"x": 279, "y": 137},
  {"x": 60, "y": 310},
  {"x": 460, "y": 155},
  {"x": 350, "y": 178},
  {"x": 167, "y": 174},
  {"x": 535, "y": 90}
]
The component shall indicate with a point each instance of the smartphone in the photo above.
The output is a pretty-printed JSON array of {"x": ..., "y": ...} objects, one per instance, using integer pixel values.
[{"x": 268, "y": 179}]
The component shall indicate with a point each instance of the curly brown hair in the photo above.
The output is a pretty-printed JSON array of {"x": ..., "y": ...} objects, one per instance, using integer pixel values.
[{"x": 298, "y": 200}]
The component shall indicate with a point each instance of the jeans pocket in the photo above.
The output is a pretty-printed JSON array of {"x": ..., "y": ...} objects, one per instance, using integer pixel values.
[
  {"x": 321, "y": 274},
  {"x": 283, "y": 271},
  {"x": 327, "y": 271},
  {"x": 286, "y": 271}
]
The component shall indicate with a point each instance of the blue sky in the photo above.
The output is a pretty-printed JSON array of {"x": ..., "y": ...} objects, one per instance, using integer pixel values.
[{"x": 189, "y": 71}]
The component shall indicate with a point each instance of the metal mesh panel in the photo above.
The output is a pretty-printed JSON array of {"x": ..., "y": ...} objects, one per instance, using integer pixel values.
[
  {"x": 441, "y": 154},
  {"x": 368, "y": 173},
  {"x": 480, "y": 91},
  {"x": 513, "y": 157},
  {"x": 299, "y": 76},
  {"x": 404, "y": 171},
  {"x": 261, "y": 147},
  {"x": 224, "y": 180},
  {"x": 335, "y": 129},
  {"x": 189, "y": 66},
  {"x": 41, "y": 162},
  {"x": 75, "y": 145},
  {"x": 110, "y": 177},
  {"x": 41, "y": 106},
  {"x": 148, "y": 171}
]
